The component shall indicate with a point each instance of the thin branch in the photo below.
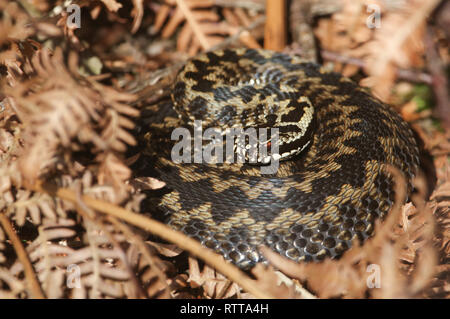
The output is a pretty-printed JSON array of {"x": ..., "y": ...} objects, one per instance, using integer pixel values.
[
  {"x": 275, "y": 29},
  {"x": 193, "y": 23},
  {"x": 30, "y": 275},
  {"x": 214, "y": 260}
]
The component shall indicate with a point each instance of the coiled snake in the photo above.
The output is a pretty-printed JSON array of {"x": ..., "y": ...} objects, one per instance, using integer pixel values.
[{"x": 319, "y": 199}]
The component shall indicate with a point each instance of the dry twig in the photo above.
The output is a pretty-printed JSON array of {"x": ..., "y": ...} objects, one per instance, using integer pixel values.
[
  {"x": 164, "y": 232},
  {"x": 33, "y": 283}
]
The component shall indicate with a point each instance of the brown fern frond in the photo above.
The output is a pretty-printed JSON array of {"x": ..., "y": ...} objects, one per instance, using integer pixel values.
[
  {"x": 11, "y": 287},
  {"x": 397, "y": 41},
  {"x": 20, "y": 203},
  {"x": 397, "y": 44},
  {"x": 202, "y": 26},
  {"x": 214, "y": 284},
  {"x": 15, "y": 33},
  {"x": 58, "y": 106},
  {"x": 99, "y": 265},
  {"x": 15, "y": 23},
  {"x": 113, "y": 172},
  {"x": 34, "y": 205},
  {"x": 151, "y": 271},
  {"x": 440, "y": 286}
]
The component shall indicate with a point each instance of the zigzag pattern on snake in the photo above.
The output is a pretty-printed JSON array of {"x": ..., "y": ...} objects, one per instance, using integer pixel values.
[{"x": 320, "y": 199}]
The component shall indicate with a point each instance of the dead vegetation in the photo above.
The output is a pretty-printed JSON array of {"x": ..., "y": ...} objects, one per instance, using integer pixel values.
[{"x": 70, "y": 208}]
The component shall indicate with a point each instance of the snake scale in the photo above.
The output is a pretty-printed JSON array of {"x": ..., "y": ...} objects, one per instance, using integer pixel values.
[{"x": 320, "y": 199}]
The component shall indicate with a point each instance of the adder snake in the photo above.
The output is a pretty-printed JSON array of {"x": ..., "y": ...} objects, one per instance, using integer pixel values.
[{"x": 319, "y": 199}]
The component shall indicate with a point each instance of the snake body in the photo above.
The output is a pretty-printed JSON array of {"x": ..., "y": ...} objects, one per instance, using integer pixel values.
[{"x": 321, "y": 198}]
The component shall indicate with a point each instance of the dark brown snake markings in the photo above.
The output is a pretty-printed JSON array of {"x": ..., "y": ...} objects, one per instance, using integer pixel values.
[{"x": 319, "y": 201}]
